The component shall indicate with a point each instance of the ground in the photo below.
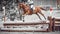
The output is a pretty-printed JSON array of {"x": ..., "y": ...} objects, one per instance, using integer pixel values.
[{"x": 29, "y": 32}]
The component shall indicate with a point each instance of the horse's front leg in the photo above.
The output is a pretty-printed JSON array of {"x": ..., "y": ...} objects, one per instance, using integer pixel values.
[
  {"x": 20, "y": 15},
  {"x": 27, "y": 13}
]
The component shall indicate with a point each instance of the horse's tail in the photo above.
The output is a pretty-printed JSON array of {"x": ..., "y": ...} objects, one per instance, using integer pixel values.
[{"x": 42, "y": 8}]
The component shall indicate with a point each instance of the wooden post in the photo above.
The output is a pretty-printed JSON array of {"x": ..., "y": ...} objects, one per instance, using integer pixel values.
[
  {"x": 50, "y": 24},
  {"x": 53, "y": 24},
  {"x": 23, "y": 18}
]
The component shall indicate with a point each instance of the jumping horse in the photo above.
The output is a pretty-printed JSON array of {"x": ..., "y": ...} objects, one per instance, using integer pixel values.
[{"x": 28, "y": 11}]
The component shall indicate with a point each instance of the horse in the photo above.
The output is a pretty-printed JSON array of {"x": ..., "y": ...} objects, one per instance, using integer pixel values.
[{"x": 28, "y": 11}]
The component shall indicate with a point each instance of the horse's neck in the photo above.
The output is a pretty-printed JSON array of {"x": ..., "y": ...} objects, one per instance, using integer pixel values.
[{"x": 23, "y": 8}]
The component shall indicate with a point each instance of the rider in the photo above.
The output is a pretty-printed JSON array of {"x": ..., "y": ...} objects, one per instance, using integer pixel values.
[{"x": 31, "y": 4}]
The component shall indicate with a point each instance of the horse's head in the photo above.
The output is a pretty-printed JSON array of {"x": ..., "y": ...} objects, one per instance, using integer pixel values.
[{"x": 23, "y": 5}]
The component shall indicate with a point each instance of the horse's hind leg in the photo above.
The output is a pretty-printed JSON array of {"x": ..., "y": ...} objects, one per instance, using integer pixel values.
[
  {"x": 38, "y": 16},
  {"x": 42, "y": 14}
]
